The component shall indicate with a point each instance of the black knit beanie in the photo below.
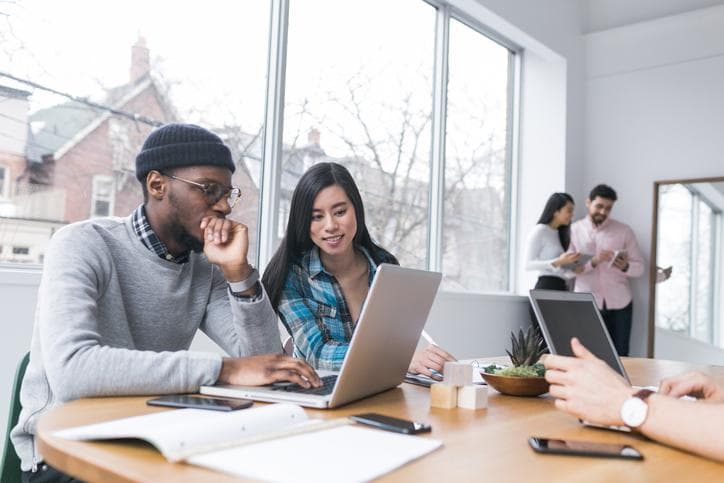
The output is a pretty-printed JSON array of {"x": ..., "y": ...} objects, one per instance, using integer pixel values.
[{"x": 178, "y": 145}]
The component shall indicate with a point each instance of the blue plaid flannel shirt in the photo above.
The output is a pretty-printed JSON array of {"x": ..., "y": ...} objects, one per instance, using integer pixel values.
[{"x": 313, "y": 309}]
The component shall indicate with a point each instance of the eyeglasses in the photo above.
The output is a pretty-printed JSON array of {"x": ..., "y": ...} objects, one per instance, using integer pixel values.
[{"x": 213, "y": 192}]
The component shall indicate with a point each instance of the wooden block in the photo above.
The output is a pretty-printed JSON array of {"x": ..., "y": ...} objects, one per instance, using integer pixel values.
[
  {"x": 443, "y": 396},
  {"x": 473, "y": 396},
  {"x": 458, "y": 374}
]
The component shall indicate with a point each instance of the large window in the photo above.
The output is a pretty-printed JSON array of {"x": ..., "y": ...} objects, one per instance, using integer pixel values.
[
  {"x": 365, "y": 101},
  {"x": 477, "y": 168},
  {"x": 413, "y": 97}
]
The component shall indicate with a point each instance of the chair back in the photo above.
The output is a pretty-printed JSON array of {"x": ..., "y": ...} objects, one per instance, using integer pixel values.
[{"x": 11, "y": 462}]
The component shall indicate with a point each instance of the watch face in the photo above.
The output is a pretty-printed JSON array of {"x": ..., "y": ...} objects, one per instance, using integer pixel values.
[{"x": 633, "y": 412}]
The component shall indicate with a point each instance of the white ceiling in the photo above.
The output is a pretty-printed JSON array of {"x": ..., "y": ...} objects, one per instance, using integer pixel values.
[{"x": 607, "y": 14}]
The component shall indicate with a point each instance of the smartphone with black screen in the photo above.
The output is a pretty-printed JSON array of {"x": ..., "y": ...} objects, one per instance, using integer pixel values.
[
  {"x": 388, "y": 423},
  {"x": 197, "y": 402},
  {"x": 584, "y": 448}
]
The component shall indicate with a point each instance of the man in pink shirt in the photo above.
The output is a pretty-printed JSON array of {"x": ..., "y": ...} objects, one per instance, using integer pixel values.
[{"x": 616, "y": 259}]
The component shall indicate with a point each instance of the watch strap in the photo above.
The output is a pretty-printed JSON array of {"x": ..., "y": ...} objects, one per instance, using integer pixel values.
[
  {"x": 246, "y": 284},
  {"x": 643, "y": 394}
]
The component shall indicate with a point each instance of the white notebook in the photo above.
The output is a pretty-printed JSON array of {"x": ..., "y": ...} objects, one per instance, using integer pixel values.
[{"x": 273, "y": 443}]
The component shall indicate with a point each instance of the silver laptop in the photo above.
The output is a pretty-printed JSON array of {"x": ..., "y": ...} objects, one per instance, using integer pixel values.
[
  {"x": 563, "y": 315},
  {"x": 382, "y": 346}
]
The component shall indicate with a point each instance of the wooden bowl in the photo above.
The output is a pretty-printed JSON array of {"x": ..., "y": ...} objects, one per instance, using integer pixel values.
[{"x": 517, "y": 386}]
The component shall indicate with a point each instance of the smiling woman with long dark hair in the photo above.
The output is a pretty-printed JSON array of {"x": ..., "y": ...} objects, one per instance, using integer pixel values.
[
  {"x": 549, "y": 241},
  {"x": 319, "y": 277}
]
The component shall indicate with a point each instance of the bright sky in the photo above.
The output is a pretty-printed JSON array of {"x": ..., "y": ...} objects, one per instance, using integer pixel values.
[{"x": 214, "y": 57}]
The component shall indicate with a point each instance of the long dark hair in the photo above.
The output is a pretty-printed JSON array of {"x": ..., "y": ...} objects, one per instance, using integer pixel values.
[
  {"x": 555, "y": 202},
  {"x": 297, "y": 241}
]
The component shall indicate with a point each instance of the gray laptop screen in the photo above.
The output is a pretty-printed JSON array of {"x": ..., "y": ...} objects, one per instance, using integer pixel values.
[{"x": 565, "y": 319}]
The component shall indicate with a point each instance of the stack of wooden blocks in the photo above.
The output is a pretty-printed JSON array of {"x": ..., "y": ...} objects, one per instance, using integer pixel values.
[{"x": 457, "y": 389}]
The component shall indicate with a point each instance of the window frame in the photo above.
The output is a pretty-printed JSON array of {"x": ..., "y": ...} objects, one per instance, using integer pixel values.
[{"x": 715, "y": 221}]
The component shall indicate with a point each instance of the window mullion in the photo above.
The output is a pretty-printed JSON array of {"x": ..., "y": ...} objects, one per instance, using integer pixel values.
[
  {"x": 273, "y": 130},
  {"x": 694, "y": 254},
  {"x": 437, "y": 167}
]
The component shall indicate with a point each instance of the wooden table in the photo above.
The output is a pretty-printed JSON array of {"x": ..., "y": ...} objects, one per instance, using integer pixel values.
[{"x": 488, "y": 444}]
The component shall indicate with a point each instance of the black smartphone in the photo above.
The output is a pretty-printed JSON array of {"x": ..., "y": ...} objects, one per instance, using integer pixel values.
[
  {"x": 197, "y": 402},
  {"x": 388, "y": 423},
  {"x": 584, "y": 448}
]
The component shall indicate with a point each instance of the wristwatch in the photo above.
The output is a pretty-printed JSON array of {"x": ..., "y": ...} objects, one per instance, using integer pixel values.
[{"x": 635, "y": 409}]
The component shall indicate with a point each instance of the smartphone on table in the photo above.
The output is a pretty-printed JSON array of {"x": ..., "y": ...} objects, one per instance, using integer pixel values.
[
  {"x": 388, "y": 423},
  {"x": 198, "y": 402},
  {"x": 584, "y": 448}
]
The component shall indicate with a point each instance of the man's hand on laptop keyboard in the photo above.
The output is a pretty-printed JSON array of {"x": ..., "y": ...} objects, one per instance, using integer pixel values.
[
  {"x": 693, "y": 384},
  {"x": 267, "y": 369}
]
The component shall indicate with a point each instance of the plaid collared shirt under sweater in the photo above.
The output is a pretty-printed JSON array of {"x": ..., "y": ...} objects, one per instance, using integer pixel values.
[{"x": 151, "y": 241}]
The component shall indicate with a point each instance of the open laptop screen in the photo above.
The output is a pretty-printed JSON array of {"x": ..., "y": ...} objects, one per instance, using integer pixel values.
[{"x": 565, "y": 315}]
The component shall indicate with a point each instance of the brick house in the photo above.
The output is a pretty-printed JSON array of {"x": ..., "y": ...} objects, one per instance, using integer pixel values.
[
  {"x": 85, "y": 154},
  {"x": 76, "y": 160}
]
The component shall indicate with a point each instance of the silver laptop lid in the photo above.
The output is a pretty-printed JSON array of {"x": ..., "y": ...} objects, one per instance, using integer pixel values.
[
  {"x": 389, "y": 327},
  {"x": 563, "y": 315}
]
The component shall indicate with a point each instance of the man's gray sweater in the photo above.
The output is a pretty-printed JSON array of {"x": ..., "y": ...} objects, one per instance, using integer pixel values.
[{"x": 113, "y": 319}]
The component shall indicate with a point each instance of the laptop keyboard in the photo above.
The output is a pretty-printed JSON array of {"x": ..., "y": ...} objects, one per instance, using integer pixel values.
[{"x": 327, "y": 386}]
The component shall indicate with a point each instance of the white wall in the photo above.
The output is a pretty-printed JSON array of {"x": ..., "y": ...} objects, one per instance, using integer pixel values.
[
  {"x": 555, "y": 24},
  {"x": 470, "y": 325},
  {"x": 608, "y": 14},
  {"x": 655, "y": 111},
  {"x": 18, "y": 288}
]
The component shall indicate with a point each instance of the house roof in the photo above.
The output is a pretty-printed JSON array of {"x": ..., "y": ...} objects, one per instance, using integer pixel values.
[
  {"x": 56, "y": 126},
  {"x": 55, "y": 130}
]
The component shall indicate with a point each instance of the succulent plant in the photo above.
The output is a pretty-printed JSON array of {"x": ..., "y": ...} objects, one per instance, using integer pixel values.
[{"x": 527, "y": 347}]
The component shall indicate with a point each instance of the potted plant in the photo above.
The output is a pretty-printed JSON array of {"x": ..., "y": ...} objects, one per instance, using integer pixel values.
[{"x": 526, "y": 376}]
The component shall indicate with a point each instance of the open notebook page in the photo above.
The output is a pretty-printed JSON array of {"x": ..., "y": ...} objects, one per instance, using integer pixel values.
[{"x": 342, "y": 454}]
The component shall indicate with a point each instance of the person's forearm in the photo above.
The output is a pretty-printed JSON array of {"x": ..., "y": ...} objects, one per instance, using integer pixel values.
[
  {"x": 256, "y": 323},
  {"x": 239, "y": 326},
  {"x": 541, "y": 264},
  {"x": 697, "y": 427},
  {"x": 95, "y": 370},
  {"x": 635, "y": 268}
]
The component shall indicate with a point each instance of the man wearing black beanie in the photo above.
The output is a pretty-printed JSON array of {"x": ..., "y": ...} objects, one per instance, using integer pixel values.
[{"x": 121, "y": 299}]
